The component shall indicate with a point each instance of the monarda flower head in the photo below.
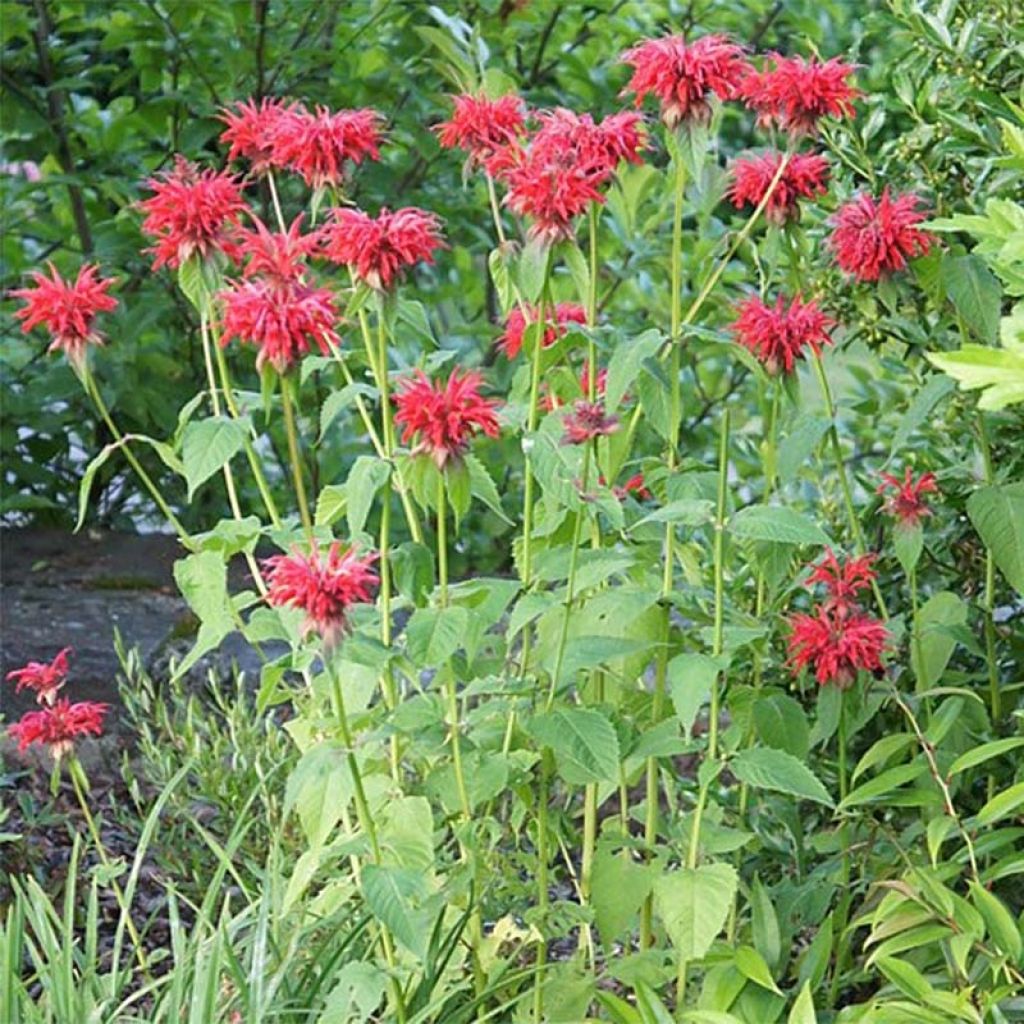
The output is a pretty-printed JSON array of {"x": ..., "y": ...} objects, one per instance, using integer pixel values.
[
  {"x": 804, "y": 177},
  {"x": 279, "y": 257},
  {"x": 325, "y": 588},
  {"x": 796, "y": 93},
  {"x": 443, "y": 418},
  {"x": 842, "y": 580},
  {"x": 875, "y": 237},
  {"x": 378, "y": 248},
  {"x": 586, "y": 422},
  {"x": 318, "y": 145},
  {"x": 905, "y": 498},
  {"x": 481, "y": 126},
  {"x": 251, "y": 128},
  {"x": 59, "y": 725},
  {"x": 779, "y": 335},
  {"x": 511, "y": 341},
  {"x": 45, "y": 679},
  {"x": 684, "y": 76},
  {"x": 66, "y": 309},
  {"x": 836, "y": 645}
]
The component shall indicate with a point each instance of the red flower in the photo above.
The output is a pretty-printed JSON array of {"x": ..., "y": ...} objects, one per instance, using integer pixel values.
[
  {"x": 600, "y": 382},
  {"x": 805, "y": 177},
  {"x": 60, "y": 725},
  {"x": 278, "y": 256},
  {"x": 684, "y": 75},
  {"x": 442, "y": 419},
  {"x": 907, "y": 504},
  {"x": 282, "y": 320},
  {"x": 587, "y": 421},
  {"x": 191, "y": 212},
  {"x": 796, "y": 93},
  {"x": 635, "y": 485},
  {"x": 324, "y": 589},
  {"x": 874, "y": 238},
  {"x": 779, "y": 336},
  {"x": 842, "y": 580},
  {"x": 511, "y": 342},
  {"x": 45, "y": 679},
  {"x": 377, "y": 249},
  {"x": 316, "y": 145},
  {"x": 482, "y": 126},
  {"x": 836, "y": 645},
  {"x": 67, "y": 310},
  {"x": 251, "y": 129}
]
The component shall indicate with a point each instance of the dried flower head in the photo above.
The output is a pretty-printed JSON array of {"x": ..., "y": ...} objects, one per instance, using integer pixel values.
[
  {"x": 804, "y": 177},
  {"x": 317, "y": 145},
  {"x": 836, "y": 645},
  {"x": 44, "y": 678},
  {"x": 796, "y": 93},
  {"x": 511, "y": 342},
  {"x": 906, "y": 504},
  {"x": 779, "y": 335},
  {"x": 59, "y": 725},
  {"x": 481, "y": 126}
]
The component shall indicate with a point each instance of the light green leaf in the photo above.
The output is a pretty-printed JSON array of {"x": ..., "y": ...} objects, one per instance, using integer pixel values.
[
  {"x": 937, "y": 620},
  {"x": 584, "y": 743},
  {"x": 690, "y": 678},
  {"x": 935, "y": 389},
  {"x": 433, "y": 635},
  {"x": 482, "y": 486},
  {"x": 366, "y": 477},
  {"x": 358, "y": 990},
  {"x": 885, "y": 784},
  {"x": 975, "y": 292},
  {"x": 338, "y": 401},
  {"x": 396, "y": 896},
  {"x": 1001, "y": 805},
  {"x": 752, "y": 965},
  {"x": 765, "y": 768},
  {"x": 693, "y": 904},
  {"x": 802, "y": 1011},
  {"x": 800, "y": 444},
  {"x": 776, "y": 523},
  {"x": 626, "y": 360},
  {"x": 998, "y": 515},
  {"x": 203, "y": 581},
  {"x": 781, "y": 723},
  {"x": 619, "y": 886},
  {"x": 972, "y": 758},
  {"x": 318, "y": 789},
  {"x": 998, "y": 372},
  {"x": 685, "y": 512},
  {"x": 207, "y": 445},
  {"x": 1002, "y": 927}
]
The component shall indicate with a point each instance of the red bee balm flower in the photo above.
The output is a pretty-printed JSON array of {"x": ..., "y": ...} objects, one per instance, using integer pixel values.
[
  {"x": 511, "y": 342},
  {"x": 324, "y": 589},
  {"x": 635, "y": 485},
  {"x": 316, "y": 145},
  {"x": 377, "y": 249},
  {"x": 443, "y": 419},
  {"x": 684, "y": 75},
  {"x": 45, "y": 679},
  {"x": 58, "y": 727},
  {"x": 251, "y": 129},
  {"x": 481, "y": 126},
  {"x": 279, "y": 257},
  {"x": 778, "y": 335},
  {"x": 836, "y": 645},
  {"x": 66, "y": 310},
  {"x": 872, "y": 238},
  {"x": 842, "y": 580},
  {"x": 796, "y": 93},
  {"x": 191, "y": 212},
  {"x": 805, "y": 177},
  {"x": 587, "y": 421},
  {"x": 907, "y": 505}
]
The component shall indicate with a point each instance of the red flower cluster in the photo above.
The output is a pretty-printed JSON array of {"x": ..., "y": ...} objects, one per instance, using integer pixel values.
[
  {"x": 876, "y": 237},
  {"x": 377, "y": 249},
  {"x": 66, "y": 309},
  {"x": 844, "y": 580},
  {"x": 191, "y": 213},
  {"x": 805, "y": 176},
  {"x": 511, "y": 342},
  {"x": 482, "y": 126},
  {"x": 684, "y": 76},
  {"x": 317, "y": 144},
  {"x": 778, "y": 335},
  {"x": 324, "y": 588},
  {"x": 45, "y": 679},
  {"x": 277, "y": 256},
  {"x": 906, "y": 504},
  {"x": 796, "y": 93},
  {"x": 587, "y": 421},
  {"x": 635, "y": 485},
  {"x": 59, "y": 725},
  {"x": 443, "y": 418},
  {"x": 251, "y": 128}
]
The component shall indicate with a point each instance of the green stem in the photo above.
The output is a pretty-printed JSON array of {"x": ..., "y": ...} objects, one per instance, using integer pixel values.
[
  {"x": 295, "y": 457},
  {"x": 843, "y": 907},
  {"x": 995, "y": 699},
  {"x": 492, "y": 196},
  {"x": 276, "y": 202},
  {"x": 543, "y": 855}
]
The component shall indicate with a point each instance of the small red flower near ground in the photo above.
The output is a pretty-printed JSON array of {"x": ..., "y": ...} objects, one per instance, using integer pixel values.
[
  {"x": 842, "y": 580},
  {"x": 442, "y": 418},
  {"x": 779, "y": 335},
  {"x": 280, "y": 257},
  {"x": 906, "y": 504},
  {"x": 377, "y": 249},
  {"x": 684, "y": 76},
  {"x": 45, "y": 679},
  {"x": 511, "y": 342},
  {"x": 805, "y": 176},
  {"x": 191, "y": 213},
  {"x": 66, "y": 309},
  {"x": 796, "y": 93},
  {"x": 282, "y": 320},
  {"x": 317, "y": 145},
  {"x": 836, "y": 645},
  {"x": 481, "y": 126},
  {"x": 58, "y": 727},
  {"x": 324, "y": 588},
  {"x": 251, "y": 128},
  {"x": 876, "y": 237},
  {"x": 587, "y": 421}
]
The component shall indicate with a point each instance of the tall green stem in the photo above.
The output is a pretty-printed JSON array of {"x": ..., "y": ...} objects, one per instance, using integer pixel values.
[
  {"x": 995, "y": 701},
  {"x": 295, "y": 457},
  {"x": 276, "y": 202}
]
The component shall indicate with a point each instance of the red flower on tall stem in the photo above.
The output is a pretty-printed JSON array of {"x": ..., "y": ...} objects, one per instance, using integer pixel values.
[
  {"x": 66, "y": 309},
  {"x": 684, "y": 76},
  {"x": 443, "y": 418},
  {"x": 277, "y": 256},
  {"x": 317, "y": 145},
  {"x": 842, "y": 580},
  {"x": 779, "y": 335},
  {"x": 44, "y": 678},
  {"x": 59, "y": 725},
  {"x": 481, "y": 126},
  {"x": 511, "y": 342},
  {"x": 875, "y": 237},
  {"x": 251, "y": 129},
  {"x": 378, "y": 248},
  {"x": 324, "y": 588},
  {"x": 836, "y": 644},
  {"x": 796, "y": 93},
  {"x": 906, "y": 503},
  {"x": 586, "y": 422},
  {"x": 805, "y": 176}
]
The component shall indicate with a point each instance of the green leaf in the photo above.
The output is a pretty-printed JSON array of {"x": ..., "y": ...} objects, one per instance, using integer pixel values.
[
  {"x": 976, "y": 294},
  {"x": 1002, "y": 927},
  {"x": 395, "y": 897},
  {"x": 781, "y": 723},
  {"x": 885, "y": 784},
  {"x": 532, "y": 268},
  {"x": 1001, "y": 805},
  {"x": 685, "y": 511},
  {"x": 765, "y": 768},
  {"x": 413, "y": 568},
  {"x": 207, "y": 445},
  {"x": 906, "y": 978},
  {"x": 330, "y": 504},
  {"x": 433, "y": 635},
  {"x": 626, "y": 360},
  {"x": 338, "y": 401},
  {"x": 936, "y": 620},
  {"x": 358, "y": 990},
  {"x": 690, "y": 678},
  {"x": 318, "y": 789},
  {"x": 972, "y": 758},
  {"x": 908, "y": 542},
  {"x": 584, "y": 743},
  {"x": 751, "y": 965},
  {"x": 202, "y": 579},
  {"x": 935, "y": 389},
  {"x": 998, "y": 515},
  {"x": 998, "y": 373},
  {"x": 800, "y": 444},
  {"x": 802, "y": 1011},
  {"x": 619, "y": 887},
  {"x": 406, "y": 833},
  {"x": 230, "y": 536},
  {"x": 776, "y": 523},
  {"x": 765, "y": 925},
  {"x": 693, "y": 904},
  {"x": 366, "y": 477},
  {"x": 482, "y": 486}
]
